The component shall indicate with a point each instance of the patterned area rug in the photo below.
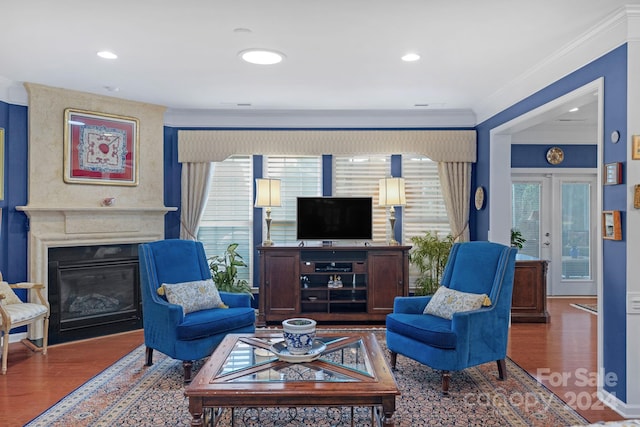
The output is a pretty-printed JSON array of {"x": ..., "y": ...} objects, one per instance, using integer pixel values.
[
  {"x": 128, "y": 393},
  {"x": 591, "y": 308}
]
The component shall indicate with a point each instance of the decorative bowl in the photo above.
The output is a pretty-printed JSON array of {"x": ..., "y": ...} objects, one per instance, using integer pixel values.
[{"x": 299, "y": 334}]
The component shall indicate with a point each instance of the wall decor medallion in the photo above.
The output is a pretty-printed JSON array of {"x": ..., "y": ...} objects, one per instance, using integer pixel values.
[
  {"x": 615, "y": 136},
  {"x": 100, "y": 148},
  {"x": 479, "y": 198},
  {"x": 555, "y": 155}
]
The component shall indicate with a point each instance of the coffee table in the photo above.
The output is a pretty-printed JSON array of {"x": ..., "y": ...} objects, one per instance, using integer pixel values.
[{"x": 243, "y": 372}]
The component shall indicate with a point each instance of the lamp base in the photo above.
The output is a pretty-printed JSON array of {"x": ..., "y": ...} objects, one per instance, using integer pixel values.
[
  {"x": 394, "y": 242},
  {"x": 268, "y": 243}
]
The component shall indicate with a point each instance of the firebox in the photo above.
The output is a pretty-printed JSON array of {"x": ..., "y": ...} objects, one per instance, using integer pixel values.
[{"x": 93, "y": 291}]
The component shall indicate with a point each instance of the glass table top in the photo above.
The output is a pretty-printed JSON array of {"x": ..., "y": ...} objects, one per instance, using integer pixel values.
[{"x": 251, "y": 360}]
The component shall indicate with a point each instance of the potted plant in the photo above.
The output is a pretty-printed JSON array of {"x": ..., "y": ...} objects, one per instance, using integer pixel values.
[
  {"x": 429, "y": 254},
  {"x": 224, "y": 271},
  {"x": 517, "y": 241}
]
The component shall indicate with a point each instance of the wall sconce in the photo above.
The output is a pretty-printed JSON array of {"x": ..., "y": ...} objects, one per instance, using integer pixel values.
[
  {"x": 267, "y": 195},
  {"x": 392, "y": 194}
]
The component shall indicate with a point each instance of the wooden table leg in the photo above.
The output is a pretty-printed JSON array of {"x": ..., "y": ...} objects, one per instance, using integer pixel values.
[
  {"x": 195, "y": 408},
  {"x": 388, "y": 408}
]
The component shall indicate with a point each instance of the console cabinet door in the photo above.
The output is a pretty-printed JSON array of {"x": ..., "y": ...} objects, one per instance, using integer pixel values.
[
  {"x": 282, "y": 282},
  {"x": 386, "y": 280}
]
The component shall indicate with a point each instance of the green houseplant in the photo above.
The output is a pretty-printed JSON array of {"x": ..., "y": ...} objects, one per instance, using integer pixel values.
[
  {"x": 224, "y": 271},
  {"x": 429, "y": 255},
  {"x": 517, "y": 241}
]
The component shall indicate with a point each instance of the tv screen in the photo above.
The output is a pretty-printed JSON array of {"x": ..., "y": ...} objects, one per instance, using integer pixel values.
[{"x": 334, "y": 218}]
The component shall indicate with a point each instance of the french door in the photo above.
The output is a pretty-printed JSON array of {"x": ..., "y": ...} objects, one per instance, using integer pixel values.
[{"x": 556, "y": 214}]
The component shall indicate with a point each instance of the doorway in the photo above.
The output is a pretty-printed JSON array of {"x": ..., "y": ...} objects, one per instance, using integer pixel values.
[{"x": 556, "y": 215}]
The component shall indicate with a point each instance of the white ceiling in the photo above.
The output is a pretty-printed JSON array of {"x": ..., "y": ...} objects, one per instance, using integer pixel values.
[{"x": 340, "y": 54}]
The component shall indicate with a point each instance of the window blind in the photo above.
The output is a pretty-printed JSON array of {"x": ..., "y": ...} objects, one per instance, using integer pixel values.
[
  {"x": 299, "y": 176},
  {"x": 358, "y": 176},
  {"x": 228, "y": 215}
]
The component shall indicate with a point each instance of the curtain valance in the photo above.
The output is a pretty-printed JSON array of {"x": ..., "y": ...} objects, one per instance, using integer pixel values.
[{"x": 217, "y": 145}]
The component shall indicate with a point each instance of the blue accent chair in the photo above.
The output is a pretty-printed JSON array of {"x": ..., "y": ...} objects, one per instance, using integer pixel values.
[
  {"x": 195, "y": 335},
  {"x": 470, "y": 338}
]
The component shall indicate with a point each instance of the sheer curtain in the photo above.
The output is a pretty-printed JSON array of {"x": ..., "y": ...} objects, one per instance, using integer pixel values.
[
  {"x": 196, "y": 179},
  {"x": 455, "y": 181}
]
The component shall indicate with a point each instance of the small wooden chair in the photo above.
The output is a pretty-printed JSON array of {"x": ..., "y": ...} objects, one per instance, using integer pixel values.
[{"x": 14, "y": 313}]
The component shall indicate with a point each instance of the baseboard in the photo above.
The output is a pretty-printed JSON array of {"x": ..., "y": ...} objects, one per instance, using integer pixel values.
[{"x": 622, "y": 408}]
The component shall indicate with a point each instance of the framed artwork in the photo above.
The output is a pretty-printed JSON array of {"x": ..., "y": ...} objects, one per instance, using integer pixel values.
[
  {"x": 635, "y": 147},
  {"x": 613, "y": 173},
  {"x": 611, "y": 228},
  {"x": 1, "y": 164},
  {"x": 100, "y": 148}
]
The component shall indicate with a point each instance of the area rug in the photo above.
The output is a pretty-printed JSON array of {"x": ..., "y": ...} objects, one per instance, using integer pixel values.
[
  {"x": 128, "y": 393},
  {"x": 591, "y": 308}
]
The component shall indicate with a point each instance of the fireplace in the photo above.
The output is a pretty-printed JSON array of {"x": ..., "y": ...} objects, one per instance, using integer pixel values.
[{"x": 93, "y": 291}]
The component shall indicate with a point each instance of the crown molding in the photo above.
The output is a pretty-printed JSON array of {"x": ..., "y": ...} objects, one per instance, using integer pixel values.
[{"x": 610, "y": 33}]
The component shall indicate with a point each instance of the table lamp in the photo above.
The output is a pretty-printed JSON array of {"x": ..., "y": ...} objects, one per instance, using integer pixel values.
[
  {"x": 392, "y": 194},
  {"x": 267, "y": 195}
]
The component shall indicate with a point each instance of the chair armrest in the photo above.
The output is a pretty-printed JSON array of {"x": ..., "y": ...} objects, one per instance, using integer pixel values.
[
  {"x": 410, "y": 305},
  {"x": 236, "y": 299},
  {"x": 37, "y": 287}
]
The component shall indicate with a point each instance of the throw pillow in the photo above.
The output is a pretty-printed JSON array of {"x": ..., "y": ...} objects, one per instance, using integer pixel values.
[
  {"x": 10, "y": 297},
  {"x": 193, "y": 296},
  {"x": 445, "y": 302}
]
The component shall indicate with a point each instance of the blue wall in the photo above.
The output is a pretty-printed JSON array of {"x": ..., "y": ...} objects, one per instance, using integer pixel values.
[
  {"x": 13, "y": 246},
  {"x": 613, "y": 67},
  {"x": 535, "y": 156}
]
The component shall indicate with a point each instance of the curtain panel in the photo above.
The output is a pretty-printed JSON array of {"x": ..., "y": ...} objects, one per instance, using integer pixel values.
[{"x": 195, "y": 183}]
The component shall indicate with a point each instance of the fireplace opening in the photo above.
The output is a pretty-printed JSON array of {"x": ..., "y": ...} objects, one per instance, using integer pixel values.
[{"x": 93, "y": 291}]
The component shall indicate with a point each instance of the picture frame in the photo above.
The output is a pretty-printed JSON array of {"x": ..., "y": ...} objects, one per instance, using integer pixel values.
[
  {"x": 611, "y": 228},
  {"x": 100, "y": 148},
  {"x": 613, "y": 173},
  {"x": 636, "y": 196},
  {"x": 635, "y": 147}
]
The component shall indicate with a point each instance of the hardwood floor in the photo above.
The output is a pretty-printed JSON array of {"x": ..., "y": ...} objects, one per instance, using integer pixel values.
[{"x": 35, "y": 382}]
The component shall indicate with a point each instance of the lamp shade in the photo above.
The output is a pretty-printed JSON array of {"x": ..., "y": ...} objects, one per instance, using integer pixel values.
[
  {"x": 392, "y": 192},
  {"x": 267, "y": 192}
]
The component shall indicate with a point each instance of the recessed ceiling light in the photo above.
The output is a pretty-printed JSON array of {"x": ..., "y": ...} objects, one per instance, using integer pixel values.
[
  {"x": 574, "y": 109},
  {"x": 411, "y": 57},
  {"x": 261, "y": 56},
  {"x": 107, "y": 55}
]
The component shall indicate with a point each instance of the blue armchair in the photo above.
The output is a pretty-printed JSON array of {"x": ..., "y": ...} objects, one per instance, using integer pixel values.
[
  {"x": 470, "y": 338},
  {"x": 194, "y": 335}
]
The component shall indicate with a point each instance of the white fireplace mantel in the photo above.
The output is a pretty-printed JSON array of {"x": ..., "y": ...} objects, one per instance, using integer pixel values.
[{"x": 51, "y": 227}]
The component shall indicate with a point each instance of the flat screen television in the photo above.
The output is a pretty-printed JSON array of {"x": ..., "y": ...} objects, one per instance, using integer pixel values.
[{"x": 334, "y": 218}]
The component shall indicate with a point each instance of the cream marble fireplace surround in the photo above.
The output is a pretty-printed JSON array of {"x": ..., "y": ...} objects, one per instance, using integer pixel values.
[{"x": 62, "y": 214}]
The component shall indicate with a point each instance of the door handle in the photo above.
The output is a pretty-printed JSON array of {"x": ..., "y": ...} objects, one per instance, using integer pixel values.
[{"x": 547, "y": 243}]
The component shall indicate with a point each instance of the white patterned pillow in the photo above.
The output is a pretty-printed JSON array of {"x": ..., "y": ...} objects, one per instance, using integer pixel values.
[
  {"x": 445, "y": 302},
  {"x": 10, "y": 297},
  {"x": 193, "y": 296}
]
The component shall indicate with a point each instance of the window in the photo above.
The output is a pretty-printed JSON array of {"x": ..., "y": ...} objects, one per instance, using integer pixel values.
[
  {"x": 300, "y": 176},
  {"x": 228, "y": 215},
  {"x": 358, "y": 176},
  {"x": 425, "y": 209}
]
